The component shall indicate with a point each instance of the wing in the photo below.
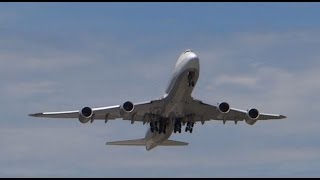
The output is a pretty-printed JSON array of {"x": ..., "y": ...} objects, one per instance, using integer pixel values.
[
  {"x": 140, "y": 112},
  {"x": 205, "y": 112}
]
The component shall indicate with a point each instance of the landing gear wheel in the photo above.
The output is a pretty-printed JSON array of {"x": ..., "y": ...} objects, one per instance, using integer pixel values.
[
  {"x": 152, "y": 127},
  {"x": 191, "y": 83},
  {"x": 191, "y": 75},
  {"x": 156, "y": 128}
]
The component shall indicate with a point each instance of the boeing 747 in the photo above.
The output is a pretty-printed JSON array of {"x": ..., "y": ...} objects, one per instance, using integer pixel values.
[{"x": 168, "y": 114}]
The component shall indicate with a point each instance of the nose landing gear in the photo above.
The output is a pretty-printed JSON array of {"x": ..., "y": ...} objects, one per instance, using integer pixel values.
[{"x": 191, "y": 75}]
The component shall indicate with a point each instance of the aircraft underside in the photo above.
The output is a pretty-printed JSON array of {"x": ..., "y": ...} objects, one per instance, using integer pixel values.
[{"x": 162, "y": 124}]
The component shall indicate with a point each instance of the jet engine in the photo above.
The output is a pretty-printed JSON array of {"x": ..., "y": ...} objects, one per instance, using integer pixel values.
[
  {"x": 223, "y": 107},
  {"x": 85, "y": 114},
  {"x": 127, "y": 107},
  {"x": 252, "y": 116}
]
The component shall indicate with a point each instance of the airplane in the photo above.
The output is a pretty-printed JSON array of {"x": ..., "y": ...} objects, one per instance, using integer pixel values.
[{"x": 167, "y": 114}]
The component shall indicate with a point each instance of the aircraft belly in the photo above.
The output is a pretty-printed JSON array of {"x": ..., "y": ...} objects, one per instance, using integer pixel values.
[{"x": 179, "y": 95}]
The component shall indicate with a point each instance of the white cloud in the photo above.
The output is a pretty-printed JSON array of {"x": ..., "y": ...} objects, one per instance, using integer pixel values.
[
  {"x": 275, "y": 72},
  {"x": 62, "y": 152},
  {"x": 236, "y": 80},
  {"x": 24, "y": 89},
  {"x": 45, "y": 59}
]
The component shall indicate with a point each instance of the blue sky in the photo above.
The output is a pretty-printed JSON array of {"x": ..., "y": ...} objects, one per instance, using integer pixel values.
[{"x": 63, "y": 56}]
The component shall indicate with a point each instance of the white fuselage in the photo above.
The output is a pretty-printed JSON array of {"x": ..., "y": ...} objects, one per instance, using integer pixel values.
[{"x": 177, "y": 95}]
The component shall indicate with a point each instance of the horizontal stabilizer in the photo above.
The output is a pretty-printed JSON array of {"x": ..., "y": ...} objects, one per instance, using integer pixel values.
[
  {"x": 143, "y": 142},
  {"x": 133, "y": 142},
  {"x": 173, "y": 143}
]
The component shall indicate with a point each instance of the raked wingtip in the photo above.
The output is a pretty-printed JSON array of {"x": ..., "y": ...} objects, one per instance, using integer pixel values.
[
  {"x": 35, "y": 114},
  {"x": 283, "y": 117}
]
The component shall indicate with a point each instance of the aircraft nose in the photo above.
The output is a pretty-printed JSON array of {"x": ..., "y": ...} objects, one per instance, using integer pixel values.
[
  {"x": 193, "y": 60},
  {"x": 191, "y": 56},
  {"x": 188, "y": 50},
  {"x": 188, "y": 59}
]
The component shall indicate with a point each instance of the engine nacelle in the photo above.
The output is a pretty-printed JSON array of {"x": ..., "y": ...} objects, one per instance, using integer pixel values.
[
  {"x": 85, "y": 114},
  {"x": 223, "y": 107},
  {"x": 126, "y": 107},
  {"x": 252, "y": 116}
]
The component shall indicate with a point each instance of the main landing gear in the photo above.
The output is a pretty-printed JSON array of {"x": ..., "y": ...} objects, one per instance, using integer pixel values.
[
  {"x": 162, "y": 127},
  {"x": 189, "y": 127},
  {"x": 177, "y": 125},
  {"x": 154, "y": 126},
  {"x": 159, "y": 127}
]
